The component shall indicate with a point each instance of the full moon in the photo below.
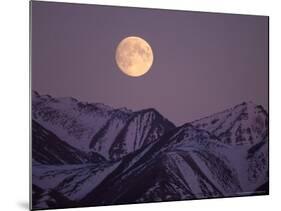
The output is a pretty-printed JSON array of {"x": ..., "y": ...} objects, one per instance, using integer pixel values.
[{"x": 134, "y": 56}]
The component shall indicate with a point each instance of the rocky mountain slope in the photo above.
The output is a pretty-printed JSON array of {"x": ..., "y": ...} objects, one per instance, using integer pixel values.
[
  {"x": 186, "y": 163},
  {"x": 47, "y": 148},
  {"x": 94, "y": 127},
  {"x": 245, "y": 123},
  {"x": 131, "y": 157}
]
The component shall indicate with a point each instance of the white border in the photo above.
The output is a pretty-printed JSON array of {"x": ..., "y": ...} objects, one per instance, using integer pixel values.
[{"x": 14, "y": 90}]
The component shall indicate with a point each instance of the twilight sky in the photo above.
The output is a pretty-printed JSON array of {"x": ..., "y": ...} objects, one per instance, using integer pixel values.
[{"x": 203, "y": 62}]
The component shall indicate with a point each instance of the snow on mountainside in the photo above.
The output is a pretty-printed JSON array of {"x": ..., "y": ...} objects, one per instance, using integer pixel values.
[
  {"x": 185, "y": 163},
  {"x": 104, "y": 138},
  {"x": 148, "y": 158},
  {"x": 73, "y": 121},
  {"x": 113, "y": 133},
  {"x": 142, "y": 128},
  {"x": 245, "y": 123},
  {"x": 72, "y": 181},
  {"x": 47, "y": 148}
]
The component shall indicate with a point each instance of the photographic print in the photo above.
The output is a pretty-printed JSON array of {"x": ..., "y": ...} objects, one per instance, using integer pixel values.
[{"x": 134, "y": 105}]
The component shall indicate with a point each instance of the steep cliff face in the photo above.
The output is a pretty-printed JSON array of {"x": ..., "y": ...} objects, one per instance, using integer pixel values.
[{"x": 143, "y": 128}]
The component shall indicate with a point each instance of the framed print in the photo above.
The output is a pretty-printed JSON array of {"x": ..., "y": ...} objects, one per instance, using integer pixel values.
[{"x": 135, "y": 105}]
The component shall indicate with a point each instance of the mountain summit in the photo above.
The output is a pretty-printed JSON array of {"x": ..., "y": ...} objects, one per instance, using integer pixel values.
[{"x": 245, "y": 123}]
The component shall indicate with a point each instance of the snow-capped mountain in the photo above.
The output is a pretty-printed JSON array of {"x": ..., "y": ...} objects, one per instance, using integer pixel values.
[
  {"x": 73, "y": 121},
  {"x": 245, "y": 123},
  {"x": 113, "y": 133},
  {"x": 185, "y": 163},
  {"x": 146, "y": 158},
  {"x": 120, "y": 139}
]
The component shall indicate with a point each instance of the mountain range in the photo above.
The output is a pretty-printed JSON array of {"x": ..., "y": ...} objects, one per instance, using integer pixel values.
[{"x": 90, "y": 154}]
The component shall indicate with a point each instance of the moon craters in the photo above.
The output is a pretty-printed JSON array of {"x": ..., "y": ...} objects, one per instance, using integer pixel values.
[{"x": 134, "y": 56}]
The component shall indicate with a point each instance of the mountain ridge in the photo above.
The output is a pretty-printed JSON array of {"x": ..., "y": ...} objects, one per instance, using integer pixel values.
[
  {"x": 144, "y": 156},
  {"x": 66, "y": 118}
]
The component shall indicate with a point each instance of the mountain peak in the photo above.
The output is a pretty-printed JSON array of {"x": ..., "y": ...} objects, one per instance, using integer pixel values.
[
  {"x": 151, "y": 110},
  {"x": 124, "y": 109},
  {"x": 242, "y": 124},
  {"x": 154, "y": 113},
  {"x": 142, "y": 128},
  {"x": 245, "y": 104}
]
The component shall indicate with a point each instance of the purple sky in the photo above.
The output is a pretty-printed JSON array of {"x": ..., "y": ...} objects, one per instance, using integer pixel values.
[{"x": 203, "y": 62}]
